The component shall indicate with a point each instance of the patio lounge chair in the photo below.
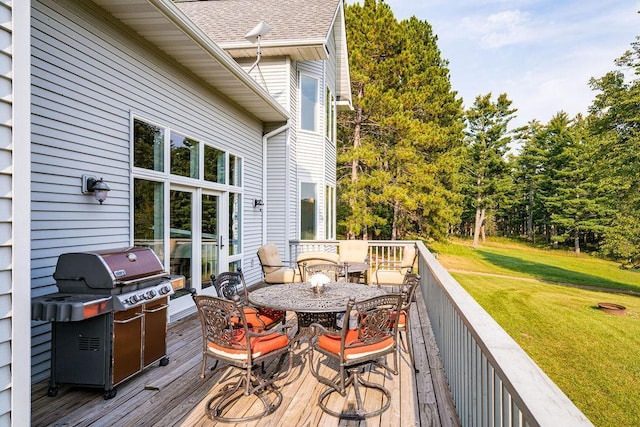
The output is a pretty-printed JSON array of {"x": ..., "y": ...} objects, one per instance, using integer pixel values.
[
  {"x": 393, "y": 272},
  {"x": 274, "y": 269},
  {"x": 374, "y": 336},
  {"x": 353, "y": 250},
  {"x": 242, "y": 348}
]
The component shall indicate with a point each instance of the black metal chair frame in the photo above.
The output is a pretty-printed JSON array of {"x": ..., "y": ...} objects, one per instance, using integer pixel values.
[
  {"x": 231, "y": 285},
  {"x": 335, "y": 272},
  {"x": 409, "y": 286},
  {"x": 377, "y": 320},
  {"x": 220, "y": 327}
]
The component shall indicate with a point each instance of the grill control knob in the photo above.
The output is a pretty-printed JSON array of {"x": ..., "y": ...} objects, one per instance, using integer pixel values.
[
  {"x": 165, "y": 290},
  {"x": 133, "y": 299},
  {"x": 150, "y": 294}
]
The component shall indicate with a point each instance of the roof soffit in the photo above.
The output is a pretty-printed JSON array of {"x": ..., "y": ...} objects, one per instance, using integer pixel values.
[{"x": 161, "y": 23}]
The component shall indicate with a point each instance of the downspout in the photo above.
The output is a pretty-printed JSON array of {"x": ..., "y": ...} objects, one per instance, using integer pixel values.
[{"x": 265, "y": 137}]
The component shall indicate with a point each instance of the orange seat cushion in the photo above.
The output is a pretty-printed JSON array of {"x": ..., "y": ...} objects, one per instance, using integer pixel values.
[
  {"x": 258, "y": 319},
  {"x": 402, "y": 321},
  {"x": 259, "y": 345},
  {"x": 356, "y": 349}
]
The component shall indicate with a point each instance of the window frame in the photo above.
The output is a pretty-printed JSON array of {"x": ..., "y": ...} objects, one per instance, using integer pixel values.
[{"x": 316, "y": 105}]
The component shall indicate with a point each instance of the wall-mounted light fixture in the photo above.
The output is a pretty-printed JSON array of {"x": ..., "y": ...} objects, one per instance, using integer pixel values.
[
  {"x": 258, "y": 203},
  {"x": 97, "y": 187}
]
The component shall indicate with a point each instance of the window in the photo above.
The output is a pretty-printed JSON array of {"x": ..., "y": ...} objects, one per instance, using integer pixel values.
[
  {"x": 214, "y": 165},
  {"x": 148, "y": 143},
  {"x": 330, "y": 213},
  {"x": 148, "y": 218},
  {"x": 184, "y": 155},
  {"x": 235, "y": 207},
  {"x": 235, "y": 170},
  {"x": 308, "y": 211},
  {"x": 330, "y": 120},
  {"x": 180, "y": 191},
  {"x": 308, "y": 103}
]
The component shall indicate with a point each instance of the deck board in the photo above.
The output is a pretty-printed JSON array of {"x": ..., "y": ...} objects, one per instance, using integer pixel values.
[{"x": 175, "y": 395}]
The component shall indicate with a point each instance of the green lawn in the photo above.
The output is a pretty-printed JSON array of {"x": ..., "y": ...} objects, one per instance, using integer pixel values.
[{"x": 591, "y": 355}]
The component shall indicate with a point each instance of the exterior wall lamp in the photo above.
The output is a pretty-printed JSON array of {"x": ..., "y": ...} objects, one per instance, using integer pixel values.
[{"x": 97, "y": 187}]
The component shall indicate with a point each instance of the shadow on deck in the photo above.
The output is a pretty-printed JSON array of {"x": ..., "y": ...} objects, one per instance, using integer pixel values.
[{"x": 174, "y": 395}]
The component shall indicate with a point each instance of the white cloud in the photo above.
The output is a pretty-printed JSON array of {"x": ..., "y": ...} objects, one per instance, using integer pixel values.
[{"x": 498, "y": 29}]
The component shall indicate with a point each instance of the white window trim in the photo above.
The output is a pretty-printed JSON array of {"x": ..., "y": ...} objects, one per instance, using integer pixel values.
[{"x": 317, "y": 130}]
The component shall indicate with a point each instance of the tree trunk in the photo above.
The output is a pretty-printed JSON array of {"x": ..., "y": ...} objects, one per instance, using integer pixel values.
[
  {"x": 394, "y": 225},
  {"x": 479, "y": 223},
  {"x": 530, "y": 216},
  {"x": 576, "y": 241},
  {"x": 357, "y": 129}
]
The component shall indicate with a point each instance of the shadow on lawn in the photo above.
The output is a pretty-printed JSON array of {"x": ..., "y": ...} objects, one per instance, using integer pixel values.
[{"x": 554, "y": 274}]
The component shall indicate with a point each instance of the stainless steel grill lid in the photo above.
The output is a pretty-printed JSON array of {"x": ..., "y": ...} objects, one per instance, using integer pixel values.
[{"x": 106, "y": 269}]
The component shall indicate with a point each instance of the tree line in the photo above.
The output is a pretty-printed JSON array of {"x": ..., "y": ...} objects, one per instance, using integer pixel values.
[{"x": 412, "y": 163}]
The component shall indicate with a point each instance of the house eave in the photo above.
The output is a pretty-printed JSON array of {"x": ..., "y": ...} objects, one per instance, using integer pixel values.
[
  {"x": 162, "y": 24},
  {"x": 298, "y": 50}
]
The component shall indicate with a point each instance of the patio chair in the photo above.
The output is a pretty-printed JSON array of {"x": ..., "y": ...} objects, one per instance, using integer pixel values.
[
  {"x": 374, "y": 336},
  {"x": 232, "y": 286},
  {"x": 242, "y": 348},
  {"x": 393, "y": 272},
  {"x": 411, "y": 282},
  {"x": 275, "y": 270},
  {"x": 315, "y": 257},
  {"x": 353, "y": 250},
  {"x": 335, "y": 272}
]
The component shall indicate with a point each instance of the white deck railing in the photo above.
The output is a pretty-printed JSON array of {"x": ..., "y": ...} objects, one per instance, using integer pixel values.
[{"x": 493, "y": 382}]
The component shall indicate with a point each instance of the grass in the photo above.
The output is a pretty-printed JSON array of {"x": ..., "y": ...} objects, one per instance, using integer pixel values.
[{"x": 591, "y": 355}]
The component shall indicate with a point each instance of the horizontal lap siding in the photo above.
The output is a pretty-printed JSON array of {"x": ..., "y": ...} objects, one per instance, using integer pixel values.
[
  {"x": 89, "y": 74},
  {"x": 271, "y": 73}
]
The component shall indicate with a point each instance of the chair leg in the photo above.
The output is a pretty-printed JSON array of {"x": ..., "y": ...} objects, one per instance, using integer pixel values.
[{"x": 356, "y": 380}]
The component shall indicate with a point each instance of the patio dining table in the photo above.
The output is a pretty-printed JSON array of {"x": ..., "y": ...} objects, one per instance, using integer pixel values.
[{"x": 309, "y": 306}]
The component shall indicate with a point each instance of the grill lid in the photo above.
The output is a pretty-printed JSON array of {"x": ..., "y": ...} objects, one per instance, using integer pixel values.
[{"x": 106, "y": 269}]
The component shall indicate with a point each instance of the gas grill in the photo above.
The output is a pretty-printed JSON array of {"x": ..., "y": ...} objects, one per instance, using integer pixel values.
[{"x": 109, "y": 318}]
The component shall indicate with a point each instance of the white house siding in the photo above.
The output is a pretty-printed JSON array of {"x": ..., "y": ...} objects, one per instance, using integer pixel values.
[
  {"x": 89, "y": 74},
  {"x": 273, "y": 74},
  {"x": 15, "y": 390}
]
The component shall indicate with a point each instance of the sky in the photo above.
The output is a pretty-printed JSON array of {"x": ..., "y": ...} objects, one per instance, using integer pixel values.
[{"x": 540, "y": 53}]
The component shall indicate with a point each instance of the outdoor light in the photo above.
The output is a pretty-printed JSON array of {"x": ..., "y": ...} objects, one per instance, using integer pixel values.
[{"x": 97, "y": 187}]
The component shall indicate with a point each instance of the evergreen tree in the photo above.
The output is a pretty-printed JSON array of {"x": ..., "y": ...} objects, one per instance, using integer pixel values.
[
  {"x": 405, "y": 130},
  {"x": 485, "y": 168}
]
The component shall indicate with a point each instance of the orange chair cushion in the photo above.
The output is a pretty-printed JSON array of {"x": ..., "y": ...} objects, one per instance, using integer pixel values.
[
  {"x": 259, "y": 345},
  {"x": 402, "y": 321},
  {"x": 257, "y": 319},
  {"x": 356, "y": 349}
]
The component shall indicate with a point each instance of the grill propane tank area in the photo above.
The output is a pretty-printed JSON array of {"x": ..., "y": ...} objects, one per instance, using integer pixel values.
[{"x": 109, "y": 318}]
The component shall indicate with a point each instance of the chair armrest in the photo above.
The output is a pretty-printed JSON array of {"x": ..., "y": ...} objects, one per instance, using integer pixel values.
[{"x": 396, "y": 264}]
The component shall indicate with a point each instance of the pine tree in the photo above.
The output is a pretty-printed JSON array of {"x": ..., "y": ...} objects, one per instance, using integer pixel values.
[{"x": 485, "y": 167}]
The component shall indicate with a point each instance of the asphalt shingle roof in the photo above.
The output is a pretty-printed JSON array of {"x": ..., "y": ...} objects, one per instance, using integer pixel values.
[{"x": 227, "y": 21}]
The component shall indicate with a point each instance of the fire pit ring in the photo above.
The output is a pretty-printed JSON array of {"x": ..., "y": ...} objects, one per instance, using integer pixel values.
[{"x": 611, "y": 308}]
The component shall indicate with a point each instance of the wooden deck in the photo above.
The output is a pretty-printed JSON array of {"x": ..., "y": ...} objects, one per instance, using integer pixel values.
[{"x": 174, "y": 395}]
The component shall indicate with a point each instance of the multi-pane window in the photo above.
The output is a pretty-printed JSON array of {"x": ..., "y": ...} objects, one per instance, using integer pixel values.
[
  {"x": 308, "y": 211},
  {"x": 171, "y": 169},
  {"x": 308, "y": 103}
]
